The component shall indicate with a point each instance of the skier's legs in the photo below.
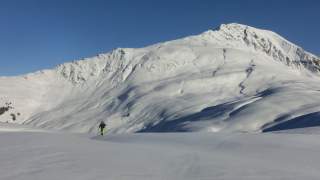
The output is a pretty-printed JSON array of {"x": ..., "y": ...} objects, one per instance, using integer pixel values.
[{"x": 101, "y": 131}]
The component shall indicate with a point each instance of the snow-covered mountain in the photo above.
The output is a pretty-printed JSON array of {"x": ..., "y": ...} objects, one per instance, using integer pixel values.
[{"x": 234, "y": 78}]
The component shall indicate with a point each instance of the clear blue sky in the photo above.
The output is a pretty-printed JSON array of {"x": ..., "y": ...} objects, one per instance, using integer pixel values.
[{"x": 38, "y": 34}]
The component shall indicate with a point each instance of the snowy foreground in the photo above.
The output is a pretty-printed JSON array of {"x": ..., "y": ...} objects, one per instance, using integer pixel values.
[{"x": 33, "y": 155}]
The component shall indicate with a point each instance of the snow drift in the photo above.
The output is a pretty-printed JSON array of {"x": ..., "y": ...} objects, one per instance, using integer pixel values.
[{"x": 234, "y": 78}]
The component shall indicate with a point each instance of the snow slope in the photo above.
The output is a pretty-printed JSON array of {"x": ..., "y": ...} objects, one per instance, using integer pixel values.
[
  {"x": 235, "y": 78},
  {"x": 170, "y": 156}
]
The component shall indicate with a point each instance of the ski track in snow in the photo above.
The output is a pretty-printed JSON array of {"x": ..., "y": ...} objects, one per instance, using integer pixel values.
[
  {"x": 248, "y": 71},
  {"x": 224, "y": 51}
]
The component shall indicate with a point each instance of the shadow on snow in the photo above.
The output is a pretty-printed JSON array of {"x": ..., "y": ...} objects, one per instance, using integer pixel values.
[{"x": 207, "y": 114}]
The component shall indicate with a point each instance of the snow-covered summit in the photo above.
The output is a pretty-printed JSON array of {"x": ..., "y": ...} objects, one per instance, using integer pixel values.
[
  {"x": 242, "y": 36},
  {"x": 233, "y": 35},
  {"x": 234, "y": 78}
]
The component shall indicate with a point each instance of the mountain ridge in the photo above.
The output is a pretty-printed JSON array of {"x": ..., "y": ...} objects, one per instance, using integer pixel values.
[{"x": 297, "y": 57}]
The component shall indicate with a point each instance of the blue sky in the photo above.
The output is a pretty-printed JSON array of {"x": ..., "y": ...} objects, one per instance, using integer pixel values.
[{"x": 39, "y": 34}]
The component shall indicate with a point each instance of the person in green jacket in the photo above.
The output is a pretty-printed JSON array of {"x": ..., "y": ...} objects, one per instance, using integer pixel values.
[{"x": 102, "y": 125}]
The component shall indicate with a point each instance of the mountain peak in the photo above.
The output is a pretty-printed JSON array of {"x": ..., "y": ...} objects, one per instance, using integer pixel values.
[
  {"x": 233, "y": 26},
  {"x": 228, "y": 36},
  {"x": 239, "y": 36}
]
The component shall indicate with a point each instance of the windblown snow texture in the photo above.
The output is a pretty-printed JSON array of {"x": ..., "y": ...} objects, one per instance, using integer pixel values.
[
  {"x": 234, "y": 78},
  {"x": 27, "y": 155}
]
